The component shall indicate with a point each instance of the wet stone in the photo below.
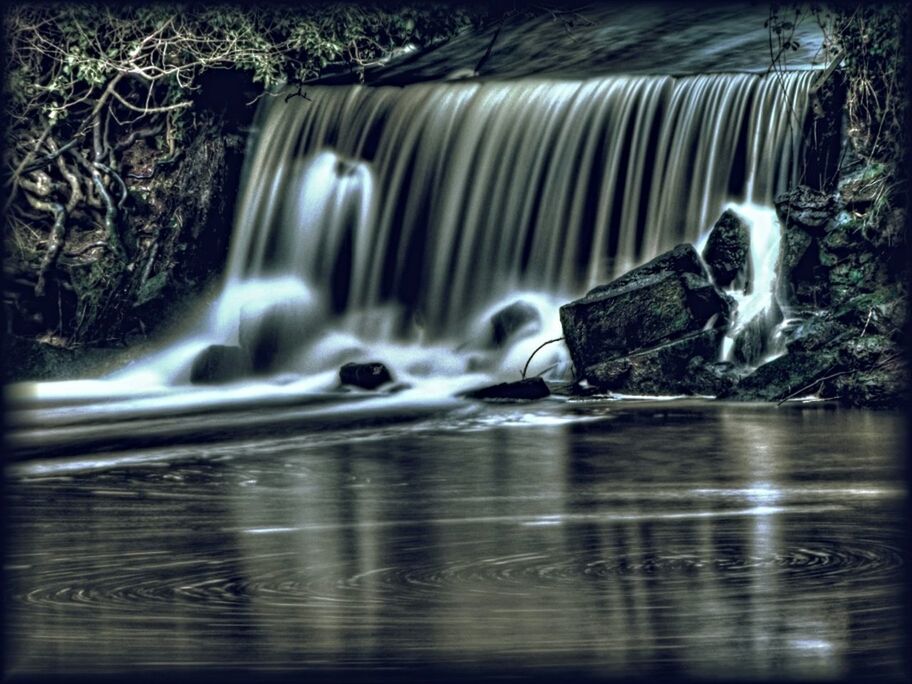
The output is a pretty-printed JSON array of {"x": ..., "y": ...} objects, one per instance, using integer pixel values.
[
  {"x": 370, "y": 375},
  {"x": 512, "y": 319},
  {"x": 727, "y": 250},
  {"x": 219, "y": 363},
  {"x": 528, "y": 390}
]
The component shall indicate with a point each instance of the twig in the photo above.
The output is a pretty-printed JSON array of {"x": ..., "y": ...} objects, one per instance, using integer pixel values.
[
  {"x": 543, "y": 344},
  {"x": 94, "y": 245}
]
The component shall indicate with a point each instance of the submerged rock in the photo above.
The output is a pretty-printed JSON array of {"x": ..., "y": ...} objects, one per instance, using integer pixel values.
[
  {"x": 512, "y": 319},
  {"x": 727, "y": 251},
  {"x": 368, "y": 375},
  {"x": 219, "y": 363},
  {"x": 274, "y": 335},
  {"x": 662, "y": 301},
  {"x": 528, "y": 389}
]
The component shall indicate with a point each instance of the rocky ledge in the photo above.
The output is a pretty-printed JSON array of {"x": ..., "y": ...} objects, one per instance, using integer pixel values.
[{"x": 840, "y": 306}]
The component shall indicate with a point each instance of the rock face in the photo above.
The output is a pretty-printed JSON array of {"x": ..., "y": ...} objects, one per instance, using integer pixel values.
[
  {"x": 365, "y": 375},
  {"x": 853, "y": 353},
  {"x": 528, "y": 389},
  {"x": 638, "y": 332},
  {"x": 803, "y": 277},
  {"x": 219, "y": 363},
  {"x": 727, "y": 251}
]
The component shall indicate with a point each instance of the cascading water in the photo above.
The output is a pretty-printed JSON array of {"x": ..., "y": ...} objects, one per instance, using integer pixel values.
[{"x": 393, "y": 222}]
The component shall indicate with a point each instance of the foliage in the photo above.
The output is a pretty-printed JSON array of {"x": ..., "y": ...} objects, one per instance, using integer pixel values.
[
  {"x": 85, "y": 83},
  {"x": 866, "y": 42}
]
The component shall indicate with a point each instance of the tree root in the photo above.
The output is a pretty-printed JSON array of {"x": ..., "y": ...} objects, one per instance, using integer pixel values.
[
  {"x": 123, "y": 188},
  {"x": 48, "y": 158},
  {"x": 110, "y": 219},
  {"x": 55, "y": 239}
]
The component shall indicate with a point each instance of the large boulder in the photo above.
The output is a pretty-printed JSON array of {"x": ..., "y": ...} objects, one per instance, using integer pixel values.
[
  {"x": 666, "y": 299},
  {"x": 727, "y": 251},
  {"x": 219, "y": 363},
  {"x": 665, "y": 369}
]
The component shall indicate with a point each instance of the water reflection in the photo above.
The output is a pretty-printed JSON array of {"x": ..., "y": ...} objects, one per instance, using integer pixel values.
[{"x": 683, "y": 538}]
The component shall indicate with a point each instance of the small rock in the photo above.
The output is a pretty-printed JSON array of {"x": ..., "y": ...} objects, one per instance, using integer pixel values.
[
  {"x": 274, "y": 335},
  {"x": 528, "y": 390},
  {"x": 513, "y": 318},
  {"x": 368, "y": 375},
  {"x": 219, "y": 363},
  {"x": 727, "y": 251}
]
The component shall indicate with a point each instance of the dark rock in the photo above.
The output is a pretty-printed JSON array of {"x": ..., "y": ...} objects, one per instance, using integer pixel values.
[
  {"x": 528, "y": 389},
  {"x": 274, "y": 335},
  {"x": 368, "y": 375},
  {"x": 806, "y": 208},
  {"x": 885, "y": 387},
  {"x": 866, "y": 351},
  {"x": 612, "y": 374},
  {"x": 785, "y": 375},
  {"x": 612, "y": 323},
  {"x": 709, "y": 378},
  {"x": 513, "y": 318},
  {"x": 660, "y": 370},
  {"x": 755, "y": 340},
  {"x": 640, "y": 311},
  {"x": 219, "y": 363},
  {"x": 727, "y": 251},
  {"x": 803, "y": 278},
  {"x": 750, "y": 343},
  {"x": 843, "y": 236},
  {"x": 883, "y": 311},
  {"x": 815, "y": 333}
]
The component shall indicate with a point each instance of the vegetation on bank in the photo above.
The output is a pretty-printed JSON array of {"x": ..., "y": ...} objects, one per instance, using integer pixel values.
[
  {"x": 856, "y": 267},
  {"x": 100, "y": 98}
]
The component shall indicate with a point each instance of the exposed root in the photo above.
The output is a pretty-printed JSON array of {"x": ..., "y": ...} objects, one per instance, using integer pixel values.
[{"x": 55, "y": 239}]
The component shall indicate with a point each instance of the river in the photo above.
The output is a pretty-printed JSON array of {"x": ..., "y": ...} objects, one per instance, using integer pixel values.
[{"x": 608, "y": 538}]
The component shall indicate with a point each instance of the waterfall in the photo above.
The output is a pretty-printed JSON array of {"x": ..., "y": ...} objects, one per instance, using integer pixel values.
[{"x": 409, "y": 215}]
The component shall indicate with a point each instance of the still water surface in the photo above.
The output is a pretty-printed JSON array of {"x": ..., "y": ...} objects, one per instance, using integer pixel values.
[{"x": 615, "y": 538}]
